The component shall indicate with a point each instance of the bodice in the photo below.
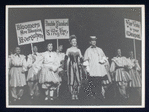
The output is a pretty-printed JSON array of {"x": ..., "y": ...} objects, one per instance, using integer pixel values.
[{"x": 73, "y": 56}]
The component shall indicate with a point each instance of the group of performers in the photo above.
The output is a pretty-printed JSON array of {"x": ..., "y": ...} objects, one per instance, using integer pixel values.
[{"x": 93, "y": 69}]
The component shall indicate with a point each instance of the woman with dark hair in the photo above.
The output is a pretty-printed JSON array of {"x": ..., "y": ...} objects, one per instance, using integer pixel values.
[
  {"x": 73, "y": 59},
  {"x": 49, "y": 78},
  {"x": 17, "y": 68}
]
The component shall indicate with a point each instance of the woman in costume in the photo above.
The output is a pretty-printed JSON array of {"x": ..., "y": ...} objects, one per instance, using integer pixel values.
[
  {"x": 17, "y": 68},
  {"x": 134, "y": 70},
  {"x": 119, "y": 68},
  {"x": 49, "y": 78},
  {"x": 74, "y": 72},
  {"x": 34, "y": 66}
]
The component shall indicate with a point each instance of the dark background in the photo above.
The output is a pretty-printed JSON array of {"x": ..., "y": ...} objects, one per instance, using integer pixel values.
[
  {"x": 87, "y": 2},
  {"x": 105, "y": 23}
]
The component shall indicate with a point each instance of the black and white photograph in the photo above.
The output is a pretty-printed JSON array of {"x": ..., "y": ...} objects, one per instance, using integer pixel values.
[{"x": 75, "y": 56}]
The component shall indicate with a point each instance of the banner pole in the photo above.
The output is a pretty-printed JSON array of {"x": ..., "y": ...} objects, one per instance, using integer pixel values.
[
  {"x": 57, "y": 44},
  {"x": 134, "y": 43},
  {"x": 32, "y": 47}
]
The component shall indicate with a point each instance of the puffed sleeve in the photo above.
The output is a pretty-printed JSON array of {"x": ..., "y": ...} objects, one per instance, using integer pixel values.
[
  {"x": 29, "y": 60},
  {"x": 107, "y": 65},
  {"x": 86, "y": 55},
  {"x": 24, "y": 63},
  {"x": 9, "y": 62},
  {"x": 112, "y": 68},
  {"x": 102, "y": 53},
  {"x": 137, "y": 65},
  {"x": 56, "y": 63},
  {"x": 103, "y": 57},
  {"x": 125, "y": 62},
  {"x": 38, "y": 64}
]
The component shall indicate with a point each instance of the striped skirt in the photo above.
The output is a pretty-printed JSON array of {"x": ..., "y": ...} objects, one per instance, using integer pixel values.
[
  {"x": 122, "y": 75},
  {"x": 74, "y": 74},
  {"x": 136, "y": 78},
  {"x": 17, "y": 77}
]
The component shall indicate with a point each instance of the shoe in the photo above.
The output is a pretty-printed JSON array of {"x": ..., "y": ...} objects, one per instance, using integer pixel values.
[
  {"x": 51, "y": 98},
  {"x": 77, "y": 97},
  {"x": 73, "y": 97},
  {"x": 19, "y": 98},
  {"x": 46, "y": 98}
]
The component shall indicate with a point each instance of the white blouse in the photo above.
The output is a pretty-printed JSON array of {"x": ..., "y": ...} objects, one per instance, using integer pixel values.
[
  {"x": 51, "y": 60},
  {"x": 15, "y": 60},
  {"x": 34, "y": 61}
]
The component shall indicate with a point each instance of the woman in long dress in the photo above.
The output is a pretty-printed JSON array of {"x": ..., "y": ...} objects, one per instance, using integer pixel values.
[
  {"x": 134, "y": 70},
  {"x": 34, "y": 66},
  {"x": 121, "y": 76},
  {"x": 74, "y": 71},
  {"x": 17, "y": 68},
  {"x": 49, "y": 78}
]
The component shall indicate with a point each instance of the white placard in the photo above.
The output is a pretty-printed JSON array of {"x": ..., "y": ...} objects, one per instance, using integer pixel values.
[
  {"x": 56, "y": 28},
  {"x": 29, "y": 32},
  {"x": 132, "y": 29}
]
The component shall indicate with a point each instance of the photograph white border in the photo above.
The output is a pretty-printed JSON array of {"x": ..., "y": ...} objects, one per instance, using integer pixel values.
[{"x": 78, "y": 6}]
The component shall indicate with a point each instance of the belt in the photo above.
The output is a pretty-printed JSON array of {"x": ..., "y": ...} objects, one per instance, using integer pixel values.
[
  {"x": 16, "y": 66},
  {"x": 119, "y": 67}
]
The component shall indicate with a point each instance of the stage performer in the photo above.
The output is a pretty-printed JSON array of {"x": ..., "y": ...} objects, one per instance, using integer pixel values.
[
  {"x": 74, "y": 59},
  {"x": 97, "y": 71},
  {"x": 134, "y": 71},
  {"x": 118, "y": 69},
  {"x": 49, "y": 78},
  {"x": 34, "y": 66},
  {"x": 17, "y": 68}
]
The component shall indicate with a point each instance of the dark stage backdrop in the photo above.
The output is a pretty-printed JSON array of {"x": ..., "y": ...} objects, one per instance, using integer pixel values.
[{"x": 105, "y": 23}]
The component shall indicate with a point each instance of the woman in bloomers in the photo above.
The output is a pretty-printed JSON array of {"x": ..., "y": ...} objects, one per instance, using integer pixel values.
[
  {"x": 61, "y": 57},
  {"x": 17, "y": 68},
  {"x": 60, "y": 70},
  {"x": 134, "y": 70},
  {"x": 74, "y": 58},
  {"x": 118, "y": 69},
  {"x": 49, "y": 78},
  {"x": 34, "y": 65}
]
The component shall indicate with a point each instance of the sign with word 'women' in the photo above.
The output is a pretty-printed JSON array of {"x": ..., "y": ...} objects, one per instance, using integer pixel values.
[
  {"x": 56, "y": 28},
  {"x": 29, "y": 32},
  {"x": 132, "y": 29}
]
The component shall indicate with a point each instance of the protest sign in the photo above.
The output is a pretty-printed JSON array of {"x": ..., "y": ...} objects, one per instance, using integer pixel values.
[
  {"x": 56, "y": 28},
  {"x": 29, "y": 32},
  {"x": 132, "y": 29}
]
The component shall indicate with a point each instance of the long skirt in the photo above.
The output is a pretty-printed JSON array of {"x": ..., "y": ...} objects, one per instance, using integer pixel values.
[
  {"x": 135, "y": 77},
  {"x": 47, "y": 76},
  {"x": 122, "y": 75},
  {"x": 122, "y": 79},
  {"x": 74, "y": 74},
  {"x": 32, "y": 76},
  {"x": 17, "y": 77}
]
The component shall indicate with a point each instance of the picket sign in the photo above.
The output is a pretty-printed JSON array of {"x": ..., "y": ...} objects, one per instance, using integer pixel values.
[
  {"x": 56, "y": 29},
  {"x": 29, "y": 33},
  {"x": 133, "y": 31}
]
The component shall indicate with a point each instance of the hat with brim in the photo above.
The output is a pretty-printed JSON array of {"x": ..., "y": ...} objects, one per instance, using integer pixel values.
[{"x": 93, "y": 38}]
